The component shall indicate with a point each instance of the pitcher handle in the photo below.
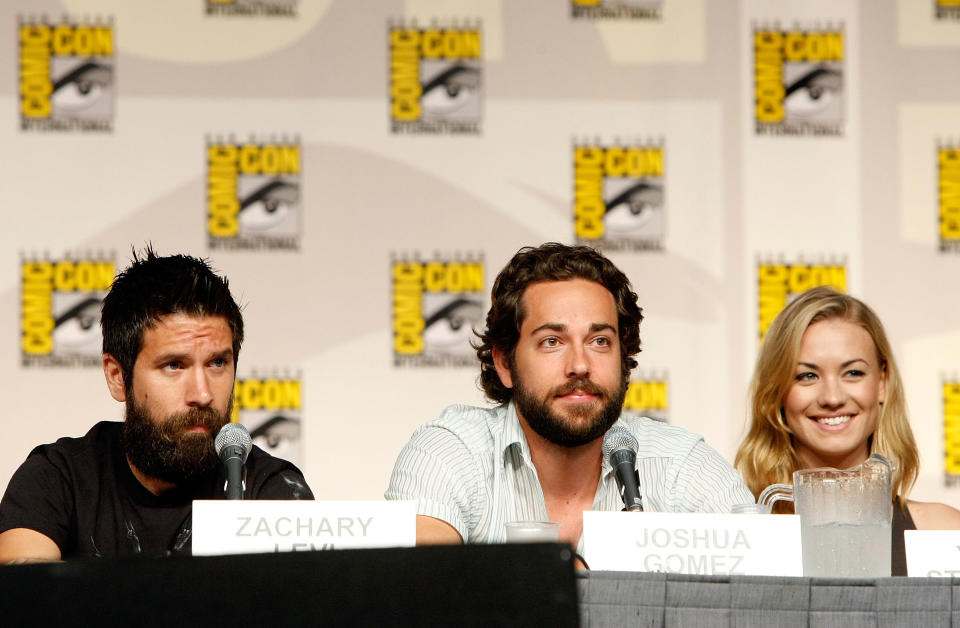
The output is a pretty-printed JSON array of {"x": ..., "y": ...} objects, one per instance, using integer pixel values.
[{"x": 775, "y": 493}]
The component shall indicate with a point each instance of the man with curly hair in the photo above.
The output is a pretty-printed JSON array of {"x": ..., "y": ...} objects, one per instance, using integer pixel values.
[{"x": 556, "y": 356}]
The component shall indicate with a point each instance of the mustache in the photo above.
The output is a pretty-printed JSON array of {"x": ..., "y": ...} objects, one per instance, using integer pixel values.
[
  {"x": 578, "y": 383},
  {"x": 195, "y": 417}
]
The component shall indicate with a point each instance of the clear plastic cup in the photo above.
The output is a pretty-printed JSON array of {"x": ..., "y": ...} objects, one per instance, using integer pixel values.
[
  {"x": 750, "y": 509},
  {"x": 532, "y": 531}
]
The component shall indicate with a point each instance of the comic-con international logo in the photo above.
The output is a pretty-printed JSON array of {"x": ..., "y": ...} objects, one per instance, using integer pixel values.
[
  {"x": 270, "y": 409},
  {"x": 436, "y": 306},
  {"x": 253, "y": 195},
  {"x": 647, "y": 395},
  {"x": 798, "y": 81},
  {"x": 779, "y": 283},
  {"x": 66, "y": 76},
  {"x": 948, "y": 197},
  {"x": 618, "y": 196},
  {"x": 270, "y": 8},
  {"x": 617, "y": 9},
  {"x": 947, "y": 9},
  {"x": 60, "y": 310},
  {"x": 435, "y": 80}
]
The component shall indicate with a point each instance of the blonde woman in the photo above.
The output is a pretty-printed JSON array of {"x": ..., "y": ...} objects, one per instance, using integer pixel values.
[{"x": 826, "y": 392}]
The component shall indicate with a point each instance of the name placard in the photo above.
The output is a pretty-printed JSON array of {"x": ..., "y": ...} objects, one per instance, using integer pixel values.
[
  {"x": 932, "y": 553},
  {"x": 693, "y": 543},
  {"x": 255, "y": 526}
]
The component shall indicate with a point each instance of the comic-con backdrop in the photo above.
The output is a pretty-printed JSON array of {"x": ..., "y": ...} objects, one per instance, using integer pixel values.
[{"x": 362, "y": 169}]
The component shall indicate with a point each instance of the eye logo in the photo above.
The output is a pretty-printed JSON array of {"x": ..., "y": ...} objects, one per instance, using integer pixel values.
[
  {"x": 778, "y": 283},
  {"x": 436, "y": 80},
  {"x": 617, "y": 9},
  {"x": 66, "y": 76},
  {"x": 798, "y": 82},
  {"x": 619, "y": 196},
  {"x": 948, "y": 197},
  {"x": 253, "y": 195},
  {"x": 648, "y": 396},
  {"x": 437, "y": 305},
  {"x": 947, "y": 9},
  {"x": 270, "y": 408},
  {"x": 60, "y": 311}
]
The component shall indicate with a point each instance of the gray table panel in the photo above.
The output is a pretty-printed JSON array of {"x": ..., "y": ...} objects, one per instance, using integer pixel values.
[{"x": 656, "y": 599}]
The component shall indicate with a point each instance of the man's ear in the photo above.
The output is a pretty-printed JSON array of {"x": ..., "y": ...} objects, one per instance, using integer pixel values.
[
  {"x": 501, "y": 362},
  {"x": 114, "y": 374}
]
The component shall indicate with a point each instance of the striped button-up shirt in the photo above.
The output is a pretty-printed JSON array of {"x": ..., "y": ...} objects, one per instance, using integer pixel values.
[{"x": 472, "y": 469}]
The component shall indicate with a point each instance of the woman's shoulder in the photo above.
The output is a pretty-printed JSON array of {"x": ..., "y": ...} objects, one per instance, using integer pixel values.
[{"x": 934, "y": 515}]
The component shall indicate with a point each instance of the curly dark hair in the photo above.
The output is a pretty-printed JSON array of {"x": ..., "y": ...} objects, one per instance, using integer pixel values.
[
  {"x": 153, "y": 287},
  {"x": 551, "y": 262}
]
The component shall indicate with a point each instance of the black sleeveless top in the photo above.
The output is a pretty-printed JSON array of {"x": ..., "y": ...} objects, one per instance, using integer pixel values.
[{"x": 901, "y": 521}]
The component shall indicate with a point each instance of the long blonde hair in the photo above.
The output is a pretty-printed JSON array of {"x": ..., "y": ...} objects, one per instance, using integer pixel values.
[{"x": 766, "y": 455}]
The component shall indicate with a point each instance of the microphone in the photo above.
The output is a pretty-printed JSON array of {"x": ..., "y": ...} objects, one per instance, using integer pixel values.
[
  {"x": 233, "y": 445},
  {"x": 620, "y": 450}
]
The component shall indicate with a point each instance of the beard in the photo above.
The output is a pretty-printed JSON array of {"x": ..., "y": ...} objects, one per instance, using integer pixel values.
[
  {"x": 564, "y": 431},
  {"x": 162, "y": 449}
]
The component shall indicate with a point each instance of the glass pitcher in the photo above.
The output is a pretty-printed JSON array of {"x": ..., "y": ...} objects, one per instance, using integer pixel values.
[{"x": 844, "y": 517}]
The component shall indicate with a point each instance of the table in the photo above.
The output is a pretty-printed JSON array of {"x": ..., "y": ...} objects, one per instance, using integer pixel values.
[
  {"x": 656, "y": 599},
  {"x": 488, "y": 585}
]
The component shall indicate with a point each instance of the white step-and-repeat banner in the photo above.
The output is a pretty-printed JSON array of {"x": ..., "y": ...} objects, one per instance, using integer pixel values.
[{"x": 362, "y": 169}]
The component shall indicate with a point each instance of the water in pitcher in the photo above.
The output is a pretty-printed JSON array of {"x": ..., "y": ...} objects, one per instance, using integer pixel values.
[{"x": 846, "y": 550}]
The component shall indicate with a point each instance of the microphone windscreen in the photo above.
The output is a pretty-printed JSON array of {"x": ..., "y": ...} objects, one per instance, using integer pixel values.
[
  {"x": 234, "y": 434},
  {"x": 618, "y": 440}
]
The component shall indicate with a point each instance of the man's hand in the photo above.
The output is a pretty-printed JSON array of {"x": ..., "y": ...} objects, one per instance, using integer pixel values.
[{"x": 22, "y": 545}]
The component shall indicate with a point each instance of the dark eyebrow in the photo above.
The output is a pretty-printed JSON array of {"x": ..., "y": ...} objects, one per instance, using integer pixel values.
[
  {"x": 166, "y": 358},
  {"x": 226, "y": 354},
  {"x": 595, "y": 327},
  {"x": 559, "y": 327}
]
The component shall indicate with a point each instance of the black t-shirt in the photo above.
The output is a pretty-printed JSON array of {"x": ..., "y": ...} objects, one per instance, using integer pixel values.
[{"x": 81, "y": 493}]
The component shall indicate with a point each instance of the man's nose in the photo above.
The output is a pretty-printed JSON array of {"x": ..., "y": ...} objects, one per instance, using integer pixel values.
[
  {"x": 199, "y": 393},
  {"x": 578, "y": 362}
]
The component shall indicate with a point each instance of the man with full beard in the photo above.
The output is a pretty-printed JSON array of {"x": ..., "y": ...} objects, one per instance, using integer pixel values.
[
  {"x": 562, "y": 333},
  {"x": 171, "y": 337}
]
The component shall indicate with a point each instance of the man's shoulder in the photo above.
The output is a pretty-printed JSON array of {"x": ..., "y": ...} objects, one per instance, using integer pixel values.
[
  {"x": 264, "y": 468},
  {"x": 462, "y": 419},
  {"x": 263, "y": 460},
  {"x": 657, "y": 438},
  {"x": 457, "y": 415},
  {"x": 102, "y": 435}
]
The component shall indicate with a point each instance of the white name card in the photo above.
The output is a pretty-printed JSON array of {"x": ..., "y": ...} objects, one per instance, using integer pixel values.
[
  {"x": 693, "y": 543},
  {"x": 932, "y": 553},
  {"x": 255, "y": 526}
]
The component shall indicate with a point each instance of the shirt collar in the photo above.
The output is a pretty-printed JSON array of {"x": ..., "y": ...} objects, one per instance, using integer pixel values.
[{"x": 512, "y": 434}]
